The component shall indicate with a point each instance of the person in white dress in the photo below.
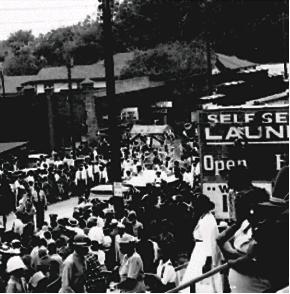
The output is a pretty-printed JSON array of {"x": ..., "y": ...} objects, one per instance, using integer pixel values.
[{"x": 206, "y": 253}]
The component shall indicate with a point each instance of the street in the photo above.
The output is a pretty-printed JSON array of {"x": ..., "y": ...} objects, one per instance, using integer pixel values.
[{"x": 62, "y": 208}]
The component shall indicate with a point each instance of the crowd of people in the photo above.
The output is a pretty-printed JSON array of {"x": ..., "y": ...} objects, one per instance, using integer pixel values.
[{"x": 134, "y": 244}]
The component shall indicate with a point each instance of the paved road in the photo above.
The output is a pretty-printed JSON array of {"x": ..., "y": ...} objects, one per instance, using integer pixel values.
[{"x": 62, "y": 208}]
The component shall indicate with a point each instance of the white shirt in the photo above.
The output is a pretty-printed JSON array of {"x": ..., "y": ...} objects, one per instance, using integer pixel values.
[
  {"x": 90, "y": 171},
  {"x": 188, "y": 178},
  {"x": 96, "y": 234},
  {"x": 101, "y": 257},
  {"x": 18, "y": 227},
  {"x": 166, "y": 272}
]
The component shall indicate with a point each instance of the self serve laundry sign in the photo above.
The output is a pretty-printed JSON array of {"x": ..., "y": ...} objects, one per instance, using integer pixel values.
[{"x": 256, "y": 137}]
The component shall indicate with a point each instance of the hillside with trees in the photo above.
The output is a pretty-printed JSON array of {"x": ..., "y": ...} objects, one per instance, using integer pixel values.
[{"x": 249, "y": 29}]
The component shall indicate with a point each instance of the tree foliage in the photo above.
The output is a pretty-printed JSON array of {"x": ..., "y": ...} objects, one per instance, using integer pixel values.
[
  {"x": 168, "y": 61},
  {"x": 250, "y": 29}
]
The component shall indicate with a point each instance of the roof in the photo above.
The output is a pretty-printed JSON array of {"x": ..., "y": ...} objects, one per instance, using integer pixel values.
[
  {"x": 12, "y": 82},
  {"x": 273, "y": 68},
  {"x": 81, "y": 72},
  {"x": 131, "y": 85},
  {"x": 4, "y": 147},
  {"x": 232, "y": 62},
  {"x": 149, "y": 129}
]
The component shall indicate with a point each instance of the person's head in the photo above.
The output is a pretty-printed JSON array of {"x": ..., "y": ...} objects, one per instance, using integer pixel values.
[
  {"x": 81, "y": 244},
  {"x": 121, "y": 228},
  {"x": 127, "y": 245},
  {"x": 246, "y": 203},
  {"x": 203, "y": 205},
  {"x": 95, "y": 246},
  {"x": 132, "y": 217},
  {"x": 52, "y": 249},
  {"x": 47, "y": 235},
  {"x": 43, "y": 242}
]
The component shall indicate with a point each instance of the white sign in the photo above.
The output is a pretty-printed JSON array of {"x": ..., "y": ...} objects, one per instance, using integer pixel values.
[
  {"x": 118, "y": 189},
  {"x": 163, "y": 104},
  {"x": 130, "y": 114},
  {"x": 219, "y": 194}
]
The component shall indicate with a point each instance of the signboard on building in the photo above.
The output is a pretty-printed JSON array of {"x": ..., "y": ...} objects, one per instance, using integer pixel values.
[
  {"x": 162, "y": 104},
  {"x": 118, "y": 189},
  {"x": 256, "y": 137},
  {"x": 129, "y": 114}
]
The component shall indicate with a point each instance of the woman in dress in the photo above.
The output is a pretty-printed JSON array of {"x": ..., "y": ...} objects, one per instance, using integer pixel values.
[{"x": 206, "y": 254}]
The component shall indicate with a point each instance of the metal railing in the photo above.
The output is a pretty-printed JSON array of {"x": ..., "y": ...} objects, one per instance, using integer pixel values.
[{"x": 200, "y": 278}]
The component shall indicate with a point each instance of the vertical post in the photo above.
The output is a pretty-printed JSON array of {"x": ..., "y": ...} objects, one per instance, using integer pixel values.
[
  {"x": 70, "y": 100},
  {"x": 2, "y": 81},
  {"x": 48, "y": 93},
  {"x": 284, "y": 40},
  {"x": 114, "y": 133},
  {"x": 208, "y": 48}
]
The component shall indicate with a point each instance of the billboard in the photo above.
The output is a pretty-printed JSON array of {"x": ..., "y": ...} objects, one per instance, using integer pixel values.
[{"x": 256, "y": 137}]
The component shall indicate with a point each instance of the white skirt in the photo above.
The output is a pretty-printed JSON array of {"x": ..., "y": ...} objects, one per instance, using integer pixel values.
[{"x": 213, "y": 284}]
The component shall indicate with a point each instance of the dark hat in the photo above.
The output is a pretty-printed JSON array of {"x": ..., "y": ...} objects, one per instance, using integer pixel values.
[
  {"x": 73, "y": 222},
  {"x": 81, "y": 240},
  {"x": 62, "y": 222}
]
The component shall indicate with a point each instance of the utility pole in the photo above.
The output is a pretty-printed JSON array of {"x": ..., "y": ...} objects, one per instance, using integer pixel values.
[
  {"x": 48, "y": 94},
  {"x": 114, "y": 111},
  {"x": 69, "y": 66},
  {"x": 284, "y": 40},
  {"x": 2, "y": 80},
  {"x": 207, "y": 10}
]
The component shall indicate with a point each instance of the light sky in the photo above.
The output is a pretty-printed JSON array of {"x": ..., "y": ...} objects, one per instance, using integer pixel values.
[{"x": 41, "y": 16}]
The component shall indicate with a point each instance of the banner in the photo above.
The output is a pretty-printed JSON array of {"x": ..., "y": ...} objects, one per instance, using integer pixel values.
[{"x": 256, "y": 137}]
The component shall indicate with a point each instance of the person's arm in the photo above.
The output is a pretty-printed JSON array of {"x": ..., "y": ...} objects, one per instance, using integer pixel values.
[
  {"x": 223, "y": 242},
  {"x": 169, "y": 275},
  {"x": 66, "y": 278},
  {"x": 10, "y": 288}
]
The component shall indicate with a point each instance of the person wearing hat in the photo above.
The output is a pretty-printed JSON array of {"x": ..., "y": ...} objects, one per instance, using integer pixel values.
[
  {"x": 238, "y": 240},
  {"x": 206, "y": 253},
  {"x": 15, "y": 268},
  {"x": 121, "y": 234},
  {"x": 135, "y": 225},
  {"x": 131, "y": 271},
  {"x": 74, "y": 267},
  {"x": 73, "y": 225}
]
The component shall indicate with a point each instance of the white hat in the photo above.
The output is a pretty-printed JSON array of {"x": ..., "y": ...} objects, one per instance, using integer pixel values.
[
  {"x": 120, "y": 225},
  {"x": 14, "y": 263},
  {"x": 107, "y": 242},
  {"x": 223, "y": 224}
]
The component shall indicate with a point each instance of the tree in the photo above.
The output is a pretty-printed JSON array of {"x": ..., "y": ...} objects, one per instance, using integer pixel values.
[
  {"x": 85, "y": 37},
  {"x": 18, "y": 40},
  {"x": 176, "y": 60},
  {"x": 246, "y": 28},
  {"x": 23, "y": 63}
]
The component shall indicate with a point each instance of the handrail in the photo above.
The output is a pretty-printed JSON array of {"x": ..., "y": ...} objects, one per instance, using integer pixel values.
[
  {"x": 181, "y": 266},
  {"x": 178, "y": 268},
  {"x": 200, "y": 278}
]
